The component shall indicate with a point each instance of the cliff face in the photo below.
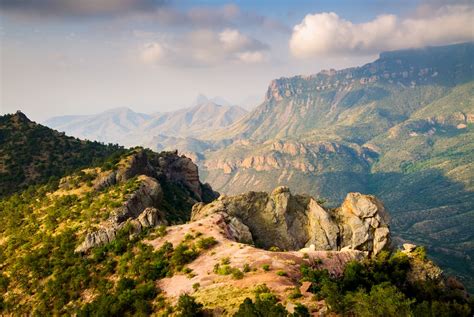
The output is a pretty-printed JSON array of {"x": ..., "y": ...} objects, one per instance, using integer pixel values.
[
  {"x": 143, "y": 208},
  {"x": 293, "y": 222}
]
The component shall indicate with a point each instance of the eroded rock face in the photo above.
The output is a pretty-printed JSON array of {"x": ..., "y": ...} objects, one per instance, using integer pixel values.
[
  {"x": 142, "y": 208},
  {"x": 293, "y": 222},
  {"x": 138, "y": 210}
]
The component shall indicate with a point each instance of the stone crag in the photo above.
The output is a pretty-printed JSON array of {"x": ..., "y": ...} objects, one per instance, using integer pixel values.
[
  {"x": 294, "y": 222},
  {"x": 143, "y": 207}
]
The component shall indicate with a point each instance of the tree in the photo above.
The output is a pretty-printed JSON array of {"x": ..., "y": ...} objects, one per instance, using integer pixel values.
[
  {"x": 384, "y": 300},
  {"x": 188, "y": 307}
]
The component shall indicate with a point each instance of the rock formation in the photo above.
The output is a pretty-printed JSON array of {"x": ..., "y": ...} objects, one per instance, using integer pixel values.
[
  {"x": 142, "y": 208},
  {"x": 293, "y": 222}
]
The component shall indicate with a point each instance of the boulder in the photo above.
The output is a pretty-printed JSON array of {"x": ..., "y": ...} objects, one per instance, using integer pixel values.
[{"x": 294, "y": 222}]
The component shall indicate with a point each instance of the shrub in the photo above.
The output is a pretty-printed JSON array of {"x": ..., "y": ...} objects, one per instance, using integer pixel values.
[
  {"x": 383, "y": 300},
  {"x": 206, "y": 243},
  {"x": 183, "y": 254},
  {"x": 246, "y": 268},
  {"x": 281, "y": 273},
  {"x": 222, "y": 269},
  {"x": 266, "y": 304},
  {"x": 237, "y": 274},
  {"x": 266, "y": 267},
  {"x": 161, "y": 231},
  {"x": 296, "y": 293},
  {"x": 188, "y": 307}
]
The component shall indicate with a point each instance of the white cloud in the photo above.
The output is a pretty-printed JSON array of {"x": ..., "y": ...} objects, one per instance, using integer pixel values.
[
  {"x": 327, "y": 33},
  {"x": 233, "y": 40},
  {"x": 251, "y": 57},
  {"x": 152, "y": 52},
  {"x": 205, "y": 48}
]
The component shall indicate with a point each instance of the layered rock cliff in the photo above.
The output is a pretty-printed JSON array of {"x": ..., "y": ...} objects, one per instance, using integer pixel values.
[{"x": 293, "y": 222}]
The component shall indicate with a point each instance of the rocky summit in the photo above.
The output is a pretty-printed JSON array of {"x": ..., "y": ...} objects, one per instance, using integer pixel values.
[{"x": 293, "y": 222}]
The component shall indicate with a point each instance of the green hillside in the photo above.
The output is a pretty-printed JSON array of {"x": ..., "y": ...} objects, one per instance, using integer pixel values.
[{"x": 31, "y": 153}]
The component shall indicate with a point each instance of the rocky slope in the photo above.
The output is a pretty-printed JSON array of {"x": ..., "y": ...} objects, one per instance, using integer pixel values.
[
  {"x": 292, "y": 222},
  {"x": 224, "y": 293}
]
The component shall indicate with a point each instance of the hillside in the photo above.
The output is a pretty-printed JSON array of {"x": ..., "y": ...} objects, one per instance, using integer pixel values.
[
  {"x": 31, "y": 153},
  {"x": 400, "y": 128},
  {"x": 111, "y": 240}
]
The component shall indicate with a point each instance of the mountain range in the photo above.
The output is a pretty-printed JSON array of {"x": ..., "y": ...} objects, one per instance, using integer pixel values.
[
  {"x": 399, "y": 127},
  {"x": 132, "y": 232},
  {"x": 126, "y": 127}
]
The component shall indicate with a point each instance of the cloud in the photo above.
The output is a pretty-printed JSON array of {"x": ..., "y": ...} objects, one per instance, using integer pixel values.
[
  {"x": 251, "y": 57},
  {"x": 327, "y": 33},
  {"x": 205, "y": 48},
  {"x": 216, "y": 17},
  {"x": 78, "y": 8},
  {"x": 152, "y": 52}
]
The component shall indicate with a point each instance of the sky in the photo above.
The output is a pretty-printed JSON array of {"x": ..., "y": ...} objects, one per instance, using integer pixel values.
[{"x": 60, "y": 57}]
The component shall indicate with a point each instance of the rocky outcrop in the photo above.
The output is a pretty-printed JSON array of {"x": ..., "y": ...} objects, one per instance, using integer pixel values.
[
  {"x": 363, "y": 223},
  {"x": 143, "y": 208},
  {"x": 293, "y": 222},
  {"x": 138, "y": 210}
]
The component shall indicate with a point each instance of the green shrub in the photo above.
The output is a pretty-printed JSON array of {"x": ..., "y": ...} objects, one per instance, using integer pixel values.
[
  {"x": 188, "y": 307},
  {"x": 246, "y": 268},
  {"x": 266, "y": 267},
  {"x": 384, "y": 300},
  {"x": 183, "y": 254},
  {"x": 281, "y": 273},
  {"x": 266, "y": 304},
  {"x": 206, "y": 243},
  {"x": 237, "y": 274},
  {"x": 222, "y": 269}
]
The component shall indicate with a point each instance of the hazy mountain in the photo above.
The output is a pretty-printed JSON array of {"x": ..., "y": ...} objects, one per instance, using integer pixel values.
[
  {"x": 126, "y": 127},
  {"x": 400, "y": 127},
  {"x": 202, "y": 99},
  {"x": 195, "y": 121},
  {"x": 110, "y": 126}
]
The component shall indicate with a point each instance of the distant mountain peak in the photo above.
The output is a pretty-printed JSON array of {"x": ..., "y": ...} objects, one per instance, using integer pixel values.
[{"x": 203, "y": 99}]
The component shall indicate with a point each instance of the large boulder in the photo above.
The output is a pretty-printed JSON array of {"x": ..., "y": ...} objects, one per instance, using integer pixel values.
[
  {"x": 363, "y": 223},
  {"x": 293, "y": 222}
]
